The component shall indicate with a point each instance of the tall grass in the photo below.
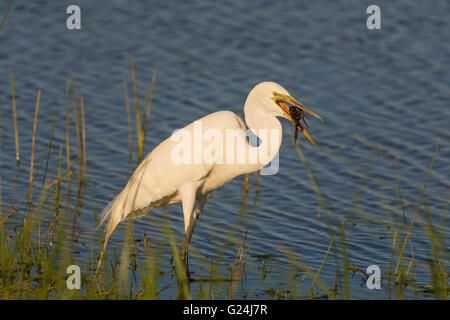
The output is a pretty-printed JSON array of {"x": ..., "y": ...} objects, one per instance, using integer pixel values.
[
  {"x": 142, "y": 117},
  {"x": 417, "y": 208},
  {"x": 32, "y": 149}
]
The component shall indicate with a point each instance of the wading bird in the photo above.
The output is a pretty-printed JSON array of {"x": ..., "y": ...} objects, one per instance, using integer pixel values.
[{"x": 160, "y": 181}]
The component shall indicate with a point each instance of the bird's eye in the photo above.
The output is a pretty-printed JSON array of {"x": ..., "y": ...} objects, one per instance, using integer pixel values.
[{"x": 275, "y": 94}]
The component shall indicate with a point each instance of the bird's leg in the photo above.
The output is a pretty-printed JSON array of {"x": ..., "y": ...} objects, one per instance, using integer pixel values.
[
  {"x": 184, "y": 251},
  {"x": 187, "y": 240},
  {"x": 189, "y": 230},
  {"x": 188, "y": 194}
]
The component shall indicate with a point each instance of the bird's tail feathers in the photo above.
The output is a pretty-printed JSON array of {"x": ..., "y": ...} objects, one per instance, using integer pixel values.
[
  {"x": 114, "y": 213},
  {"x": 124, "y": 205}
]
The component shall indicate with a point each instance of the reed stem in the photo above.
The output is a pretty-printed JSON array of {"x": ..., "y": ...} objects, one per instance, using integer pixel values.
[
  {"x": 16, "y": 128},
  {"x": 83, "y": 137},
  {"x": 32, "y": 150},
  {"x": 130, "y": 132}
]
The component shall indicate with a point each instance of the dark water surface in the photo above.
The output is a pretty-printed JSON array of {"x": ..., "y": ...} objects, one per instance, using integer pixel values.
[{"x": 385, "y": 95}]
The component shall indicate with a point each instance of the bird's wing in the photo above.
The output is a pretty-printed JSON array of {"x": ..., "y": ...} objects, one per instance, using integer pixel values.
[{"x": 158, "y": 179}]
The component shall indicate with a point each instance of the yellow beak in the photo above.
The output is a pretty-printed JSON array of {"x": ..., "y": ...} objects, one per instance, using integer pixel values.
[{"x": 281, "y": 100}]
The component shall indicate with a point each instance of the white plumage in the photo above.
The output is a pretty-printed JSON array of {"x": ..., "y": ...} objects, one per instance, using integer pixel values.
[{"x": 160, "y": 181}]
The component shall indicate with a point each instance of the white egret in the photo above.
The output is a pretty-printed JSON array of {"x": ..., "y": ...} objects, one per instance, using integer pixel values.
[{"x": 160, "y": 180}]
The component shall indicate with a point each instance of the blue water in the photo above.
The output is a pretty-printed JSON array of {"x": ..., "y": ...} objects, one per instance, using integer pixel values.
[{"x": 385, "y": 94}]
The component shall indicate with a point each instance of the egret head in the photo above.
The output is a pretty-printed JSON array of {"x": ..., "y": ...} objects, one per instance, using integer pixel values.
[{"x": 278, "y": 102}]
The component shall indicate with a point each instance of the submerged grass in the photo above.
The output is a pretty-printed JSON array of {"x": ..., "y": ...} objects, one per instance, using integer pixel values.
[
  {"x": 37, "y": 247},
  {"x": 417, "y": 208}
]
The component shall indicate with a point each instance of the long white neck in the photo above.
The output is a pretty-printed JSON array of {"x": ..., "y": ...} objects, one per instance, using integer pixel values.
[{"x": 268, "y": 130}]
